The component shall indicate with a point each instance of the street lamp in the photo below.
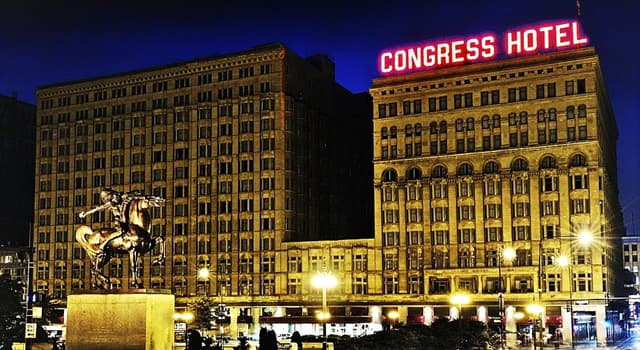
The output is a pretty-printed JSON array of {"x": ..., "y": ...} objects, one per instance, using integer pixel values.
[
  {"x": 459, "y": 300},
  {"x": 203, "y": 274},
  {"x": 324, "y": 280},
  {"x": 536, "y": 311},
  {"x": 393, "y": 316},
  {"x": 506, "y": 254},
  {"x": 564, "y": 261},
  {"x": 584, "y": 238}
]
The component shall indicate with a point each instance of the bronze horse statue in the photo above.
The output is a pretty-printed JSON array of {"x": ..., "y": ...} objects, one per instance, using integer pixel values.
[{"x": 131, "y": 236}]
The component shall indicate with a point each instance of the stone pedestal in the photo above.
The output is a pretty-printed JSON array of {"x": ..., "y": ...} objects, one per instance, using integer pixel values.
[{"x": 136, "y": 319}]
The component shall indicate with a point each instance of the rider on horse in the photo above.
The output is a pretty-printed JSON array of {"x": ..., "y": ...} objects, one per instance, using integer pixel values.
[{"x": 117, "y": 202}]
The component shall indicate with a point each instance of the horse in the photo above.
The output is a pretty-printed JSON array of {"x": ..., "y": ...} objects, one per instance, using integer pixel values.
[{"x": 135, "y": 241}]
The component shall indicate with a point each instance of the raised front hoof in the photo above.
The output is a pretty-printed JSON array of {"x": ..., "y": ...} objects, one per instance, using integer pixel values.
[{"x": 157, "y": 261}]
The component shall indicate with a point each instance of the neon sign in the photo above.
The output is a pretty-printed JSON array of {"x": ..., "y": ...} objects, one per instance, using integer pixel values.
[{"x": 529, "y": 40}]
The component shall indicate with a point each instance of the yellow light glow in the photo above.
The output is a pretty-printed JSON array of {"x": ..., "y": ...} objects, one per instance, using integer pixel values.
[
  {"x": 203, "y": 273},
  {"x": 324, "y": 280},
  {"x": 518, "y": 315},
  {"x": 460, "y": 299},
  {"x": 323, "y": 316},
  {"x": 183, "y": 316},
  {"x": 534, "y": 309},
  {"x": 509, "y": 254},
  {"x": 585, "y": 237},
  {"x": 393, "y": 315},
  {"x": 563, "y": 260}
]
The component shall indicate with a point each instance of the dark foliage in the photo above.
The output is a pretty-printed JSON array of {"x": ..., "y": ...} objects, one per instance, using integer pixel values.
[{"x": 459, "y": 334}]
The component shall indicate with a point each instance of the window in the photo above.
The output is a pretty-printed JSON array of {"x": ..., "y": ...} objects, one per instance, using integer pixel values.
[
  {"x": 360, "y": 285},
  {"x": 581, "y": 86},
  {"x": 390, "y": 238},
  {"x": 568, "y": 85},
  {"x": 521, "y": 233},
  {"x": 390, "y": 260},
  {"x": 493, "y": 234},
  {"x": 466, "y": 236}
]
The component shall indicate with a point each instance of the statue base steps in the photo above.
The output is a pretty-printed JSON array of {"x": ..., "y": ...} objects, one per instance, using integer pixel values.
[{"x": 133, "y": 319}]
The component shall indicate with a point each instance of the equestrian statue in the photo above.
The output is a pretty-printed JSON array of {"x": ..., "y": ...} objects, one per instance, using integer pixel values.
[{"x": 130, "y": 234}]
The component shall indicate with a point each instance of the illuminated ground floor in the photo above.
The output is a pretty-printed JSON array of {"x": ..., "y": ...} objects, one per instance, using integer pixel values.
[{"x": 583, "y": 321}]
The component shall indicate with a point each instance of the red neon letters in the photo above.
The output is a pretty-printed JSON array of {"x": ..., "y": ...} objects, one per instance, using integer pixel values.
[
  {"x": 457, "y": 51},
  {"x": 563, "y": 35},
  {"x": 523, "y": 41}
]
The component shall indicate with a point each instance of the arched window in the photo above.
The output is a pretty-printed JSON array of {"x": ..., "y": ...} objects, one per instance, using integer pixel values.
[
  {"x": 433, "y": 128},
  {"x": 459, "y": 125},
  {"x": 578, "y": 160},
  {"x": 418, "y": 129},
  {"x": 496, "y": 120},
  {"x": 485, "y": 122},
  {"x": 384, "y": 133},
  {"x": 443, "y": 127},
  {"x": 519, "y": 165},
  {"x": 439, "y": 172},
  {"x": 553, "y": 114},
  {"x": 541, "y": 116},
  {"x": 408, "y": 130},
  {"x": 512, "y": 119},
  {"x": 582, "y": 111},
  {"x": 491, "y": 168},
  {"x": 571, "y": 112},
  {"x": 414, "y": 174},
  {"x": 394, "y": 132},
  {"x": 523, "y": 118},
  {"x": 465, "y": 169},
  {"x": 548, "y": 162},
  {"x": 469, "y": 124},
  {"x": 389, "y": 175}
]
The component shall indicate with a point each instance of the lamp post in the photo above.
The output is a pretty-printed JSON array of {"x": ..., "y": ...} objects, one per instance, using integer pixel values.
[
  {"x": 459, "y": 300},
  {"x": 584, "y": 238},
  {"x": 506, "y": 254},
  {"x": 203, "y": 274},
  {"x": 393, "y": 316},
  {"x": 536, "y": 311},
  {"x": 563, "y": 261},
  {"x": 324, "y": 280}
]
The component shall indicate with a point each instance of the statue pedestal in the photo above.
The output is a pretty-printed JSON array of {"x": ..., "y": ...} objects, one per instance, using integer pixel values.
[{"x": 135, "y": 319}]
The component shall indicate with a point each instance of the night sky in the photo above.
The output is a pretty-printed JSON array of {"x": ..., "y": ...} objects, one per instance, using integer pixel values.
[{"x": 45, "y": 41}]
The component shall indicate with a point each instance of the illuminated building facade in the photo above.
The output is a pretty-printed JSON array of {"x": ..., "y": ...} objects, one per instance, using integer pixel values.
[
  {"x": 468, "y": 161},
  {"x": 514, "y": 154},
  {"x": 246, "y": 148}
]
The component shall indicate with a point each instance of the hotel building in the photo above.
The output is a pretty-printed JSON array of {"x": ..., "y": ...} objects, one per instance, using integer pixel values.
[{"x": 513, "y": 155}]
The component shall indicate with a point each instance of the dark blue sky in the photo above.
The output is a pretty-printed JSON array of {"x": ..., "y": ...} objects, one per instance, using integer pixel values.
[{"x": 45, "y": 41}]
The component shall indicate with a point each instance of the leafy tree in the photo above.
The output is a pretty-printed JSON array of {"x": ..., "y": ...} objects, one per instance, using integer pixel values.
[
  {"x": 202, "y": 312},
  {"x": 12, "y": 323}
]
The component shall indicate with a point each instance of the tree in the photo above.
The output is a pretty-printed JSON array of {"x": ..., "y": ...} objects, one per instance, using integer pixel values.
[
  {"x": 12, "y": 321},
  {"x": 202, "y": 312}
]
